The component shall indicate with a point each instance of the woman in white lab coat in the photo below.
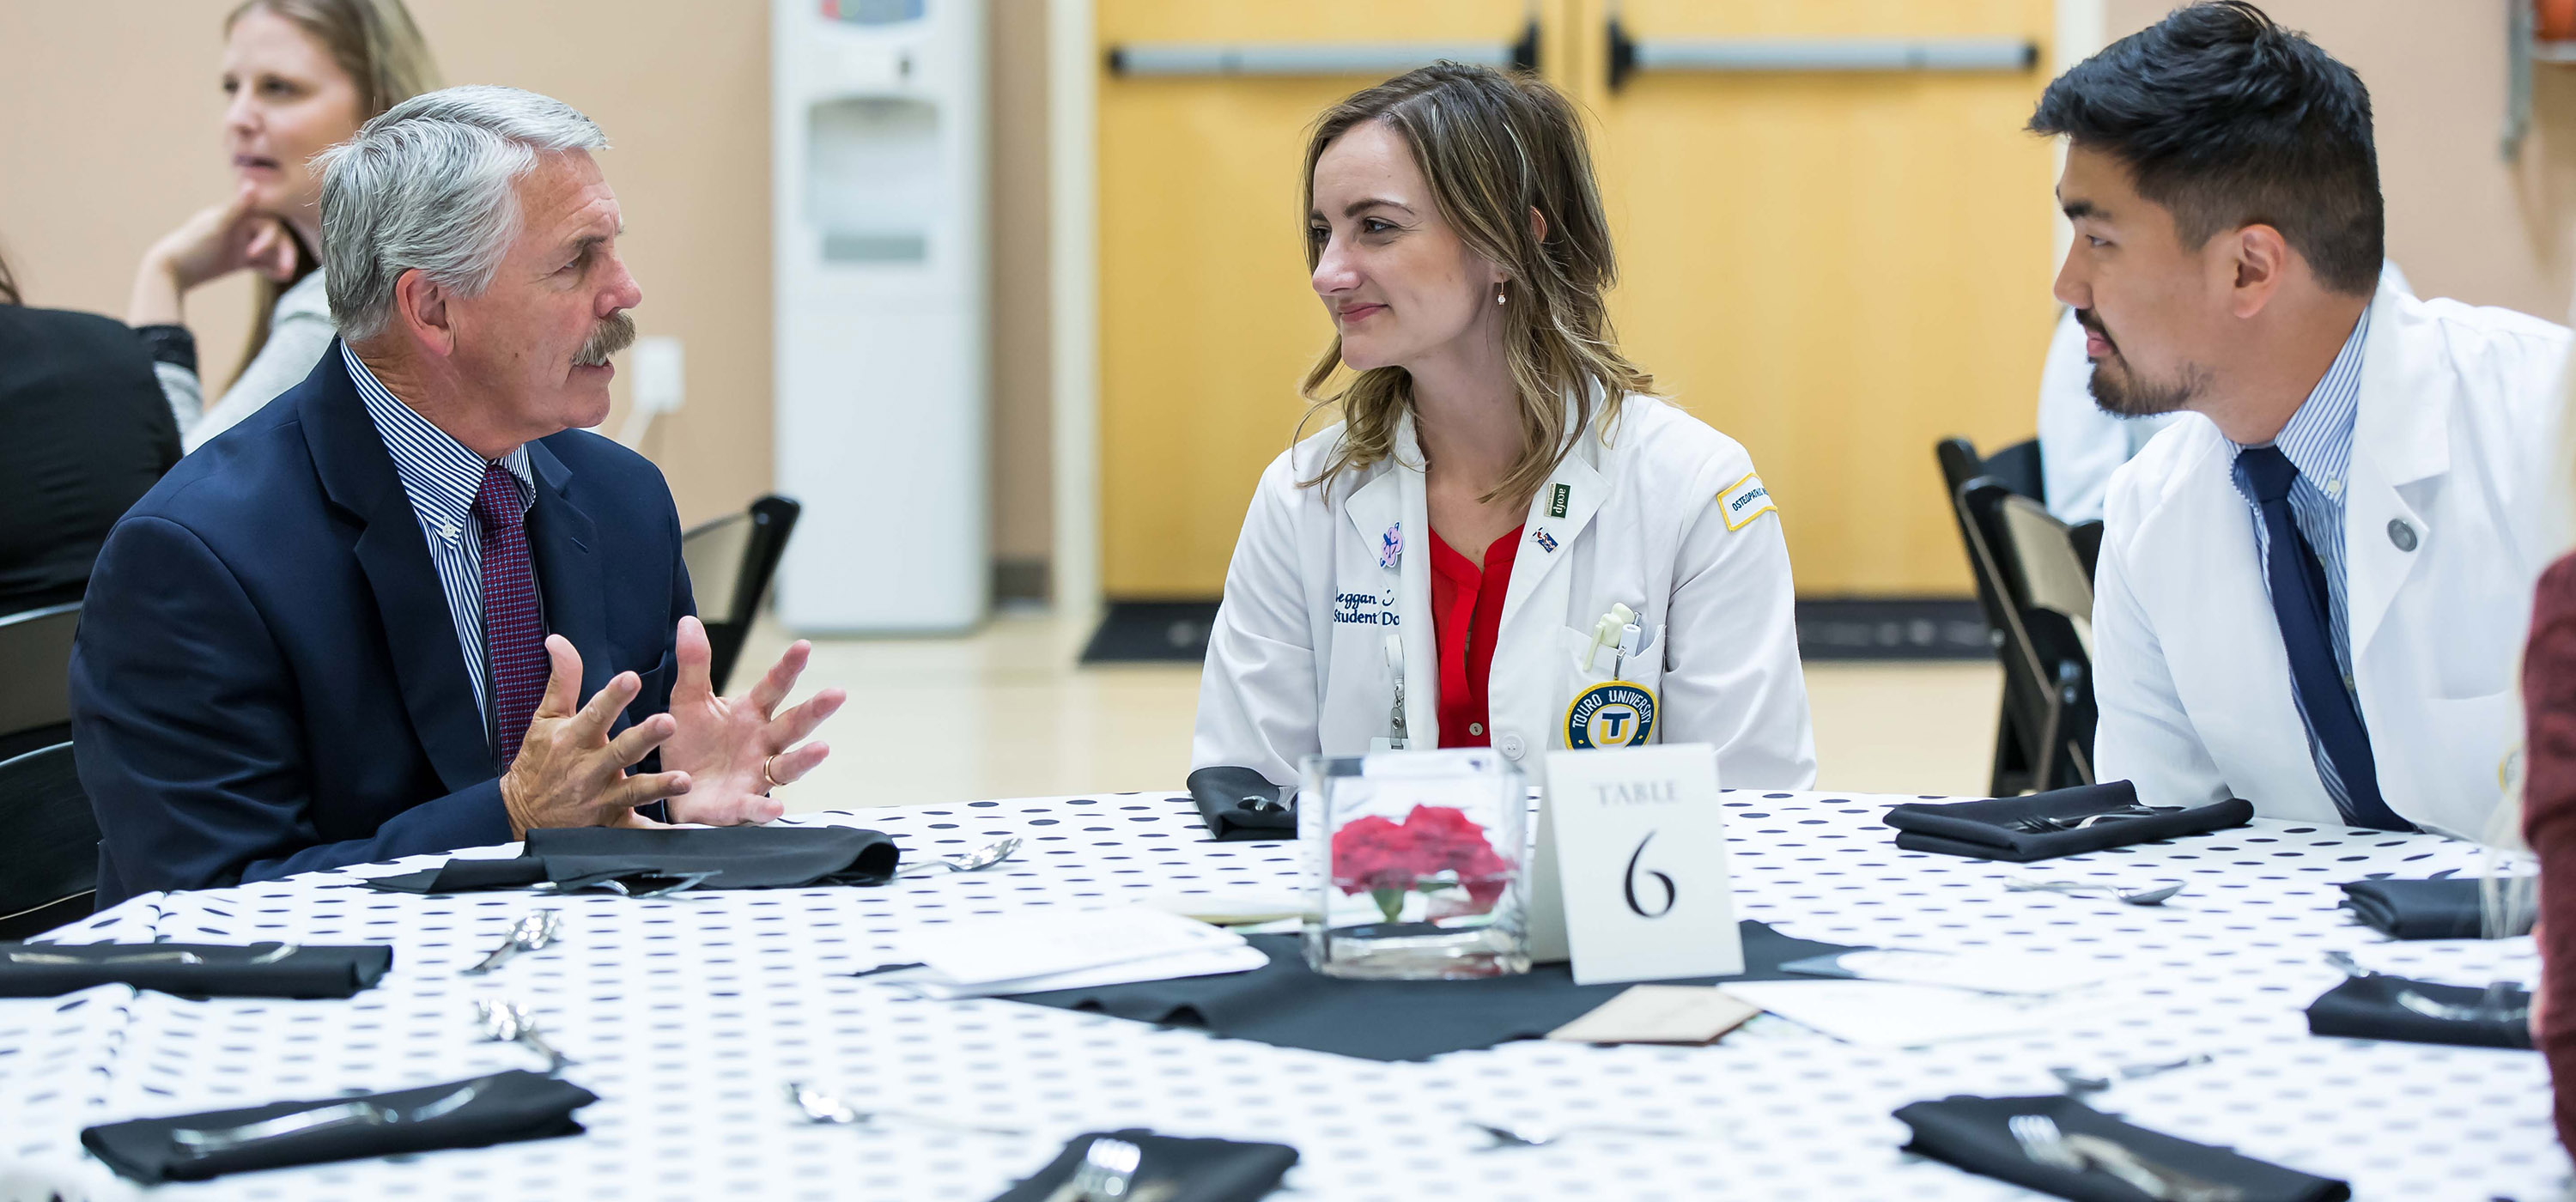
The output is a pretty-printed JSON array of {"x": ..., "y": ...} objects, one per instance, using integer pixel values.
[{"x": 1507, "y": 541}]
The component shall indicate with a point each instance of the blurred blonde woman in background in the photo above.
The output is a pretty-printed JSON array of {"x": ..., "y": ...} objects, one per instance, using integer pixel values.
[{"x": 298, "y": 76}]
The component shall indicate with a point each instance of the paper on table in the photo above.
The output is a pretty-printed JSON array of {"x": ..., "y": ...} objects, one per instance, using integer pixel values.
[
  {"x": 1895, "y": 1015},
  {"x": 1040, "y": 943},
  {"x": 1984, "y": 972},
  {"x": 1204, "y": 963},
  {"x": 1659, "y": 1014},
  {"x": 1230, "y": 910}
]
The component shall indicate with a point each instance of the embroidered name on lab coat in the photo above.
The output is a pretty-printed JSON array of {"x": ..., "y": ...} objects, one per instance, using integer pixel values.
[
  {"x": 1745, "y": 500},
  {"x": 1365, "y": 609}
]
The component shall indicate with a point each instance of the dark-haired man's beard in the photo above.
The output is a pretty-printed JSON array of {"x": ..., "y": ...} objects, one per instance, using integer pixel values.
[
  {"x": 2121, "y": 392},
  {"x": 613, "y": 335}
]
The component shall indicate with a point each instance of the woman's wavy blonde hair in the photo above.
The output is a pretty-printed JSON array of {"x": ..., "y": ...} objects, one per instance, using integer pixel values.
[
  {"x": 1494, "y": 147},
  {"x": 376, "y": 45}
]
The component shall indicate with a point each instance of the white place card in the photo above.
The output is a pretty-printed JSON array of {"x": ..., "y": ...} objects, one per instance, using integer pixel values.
[{"x": 1630, "y": 876}]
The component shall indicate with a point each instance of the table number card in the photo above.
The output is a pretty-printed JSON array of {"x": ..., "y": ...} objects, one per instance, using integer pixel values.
[{"x": 1633, "y": 845}]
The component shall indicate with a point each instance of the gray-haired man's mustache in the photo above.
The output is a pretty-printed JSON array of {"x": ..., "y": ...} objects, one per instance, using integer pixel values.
[{"x": 613, "y": 335}]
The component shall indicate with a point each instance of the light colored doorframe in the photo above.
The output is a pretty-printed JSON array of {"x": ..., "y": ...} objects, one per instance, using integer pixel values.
[
  {"x": 1073, "y": 254},
  {"x": 2081, "y": 32},
  {"x": 1073, "y": 239}
]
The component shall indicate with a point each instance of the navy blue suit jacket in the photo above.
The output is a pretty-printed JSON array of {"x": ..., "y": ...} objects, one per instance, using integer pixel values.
[{"x": 267, "y": 680}]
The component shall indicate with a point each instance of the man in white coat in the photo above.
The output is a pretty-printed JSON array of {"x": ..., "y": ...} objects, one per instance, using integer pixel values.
[{"x": 2311, "y": 599}]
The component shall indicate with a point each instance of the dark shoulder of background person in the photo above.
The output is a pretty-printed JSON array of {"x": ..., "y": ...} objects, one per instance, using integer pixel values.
[{"x": 84, "y": 432}]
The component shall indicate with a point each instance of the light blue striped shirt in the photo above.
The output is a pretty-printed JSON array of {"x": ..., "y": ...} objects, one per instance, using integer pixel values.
[
  {"x": 441, "y": 476},
  {"x": 2318, "y": 442}
]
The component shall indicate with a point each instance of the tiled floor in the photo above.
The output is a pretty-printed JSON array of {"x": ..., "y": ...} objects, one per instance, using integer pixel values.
[{"x": 1005, "y": 713}]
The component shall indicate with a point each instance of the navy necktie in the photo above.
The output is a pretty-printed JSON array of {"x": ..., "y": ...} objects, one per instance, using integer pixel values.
[{"x": 2299, "y": 603}]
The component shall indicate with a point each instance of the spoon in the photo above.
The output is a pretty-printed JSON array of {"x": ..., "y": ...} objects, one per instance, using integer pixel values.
[
  {"x": 509, "y": 1022},
  {"x": 968, "y": 861},
  {"x": 535, "y": 929},
  {"x": 1540, "y": 1137},
  {"x": 823, "y": 1106},
  {"x": 2081, "y": 1081},
  {"x": 2135, "y": 897}
]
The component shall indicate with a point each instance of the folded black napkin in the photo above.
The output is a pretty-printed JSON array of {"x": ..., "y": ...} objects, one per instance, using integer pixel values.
[
  {"x": 1239, "y": 803},
  {"x": 2447, "y": 908},
  {"x": 737, "y": 857},
  {"x": 1287, "y": 1004},
  {"x": 1983, "y": 830},
  {"x": 1972, "y": 1133},
  {"x": 2380, "y": 1006},
  {"x": 193, "y": 969},
  {"x": 502, "y": 1108},
  {"x": 1191, "y": 1170}
]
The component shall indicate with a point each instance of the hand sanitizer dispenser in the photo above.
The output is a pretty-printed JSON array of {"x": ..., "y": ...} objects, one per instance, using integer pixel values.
[{"x": 878, "y": 148}]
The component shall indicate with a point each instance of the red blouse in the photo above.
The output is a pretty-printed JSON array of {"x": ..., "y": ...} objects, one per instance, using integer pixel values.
[{"x": 1466, "y": 605}]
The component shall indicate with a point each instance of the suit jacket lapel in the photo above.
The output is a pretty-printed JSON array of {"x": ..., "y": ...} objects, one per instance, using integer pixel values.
[
  {"x": 568, "y": 572},
  {"x": 357, "y": 474}
]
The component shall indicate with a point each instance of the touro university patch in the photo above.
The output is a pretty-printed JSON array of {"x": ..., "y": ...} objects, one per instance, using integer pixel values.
[{"x": 1614, "y": 713}]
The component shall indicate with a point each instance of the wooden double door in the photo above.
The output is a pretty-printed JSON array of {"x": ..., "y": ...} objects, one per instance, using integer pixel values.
[{"x": 1834, "y": 263}]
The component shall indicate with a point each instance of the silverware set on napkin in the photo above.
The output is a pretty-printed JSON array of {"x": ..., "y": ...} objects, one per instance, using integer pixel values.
[
  {"x": 2041, "y": 824},
  {"x": 346, "y": 1114},
  {"x": 2043, "y": 1143},
  {"x": 2492, "y": 1006},
  {"x": 271, "y": 956}
]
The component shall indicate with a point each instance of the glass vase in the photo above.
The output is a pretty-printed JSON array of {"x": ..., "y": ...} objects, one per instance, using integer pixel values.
[{"x": 1413, "y": 864}]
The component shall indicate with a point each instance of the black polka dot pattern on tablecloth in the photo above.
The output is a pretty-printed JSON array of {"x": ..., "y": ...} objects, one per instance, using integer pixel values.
[{"x": 687, "y": 1014}]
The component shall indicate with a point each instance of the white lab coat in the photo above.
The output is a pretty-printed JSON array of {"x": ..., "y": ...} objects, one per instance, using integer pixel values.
[
  {"x": 2458, "y": 412},
  {"x": 1298, "y": 662}
]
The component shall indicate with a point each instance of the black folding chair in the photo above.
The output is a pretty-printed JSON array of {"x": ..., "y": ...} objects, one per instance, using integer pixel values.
[
  {"x": 2030, "y": 560},
  {"x": 730, "y": 562},
  {"x": 2017, "y": 467},
  {"x": 35, "y": 677},
  {"x": 49, "y": 862}
]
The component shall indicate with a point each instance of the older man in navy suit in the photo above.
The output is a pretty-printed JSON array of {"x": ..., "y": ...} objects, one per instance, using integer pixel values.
[{"x": 360, "y": 624}]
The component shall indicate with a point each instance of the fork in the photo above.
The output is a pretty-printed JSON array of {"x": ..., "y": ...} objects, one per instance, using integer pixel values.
[
  {"x": 1108, "y": 1168},
  {"x": 510, "y": 1022},
  {"x": 823, "y": 1106},
  {"x": 2041, "y": 824},
  {"x": 1540, "y": 1137},
  {"x": 535, "y": 929}
]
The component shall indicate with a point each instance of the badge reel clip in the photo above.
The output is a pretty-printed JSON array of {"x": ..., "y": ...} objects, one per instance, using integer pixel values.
[
  {"x": 1394, "y": 739},
  {"x": 1616, "y": 712}
]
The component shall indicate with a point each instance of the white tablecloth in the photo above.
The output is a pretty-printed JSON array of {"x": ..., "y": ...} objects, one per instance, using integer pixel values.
[{"x": 685, "y": 1015}]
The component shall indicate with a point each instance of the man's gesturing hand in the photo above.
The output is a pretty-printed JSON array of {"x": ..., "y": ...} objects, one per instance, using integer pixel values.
[
  {"x": 569, "y": 772},
  {"x": 735, "y": 748}
]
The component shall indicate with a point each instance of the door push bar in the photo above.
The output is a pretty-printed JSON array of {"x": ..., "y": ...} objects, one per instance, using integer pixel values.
[
  {"x": 1629, "y": 55},
  {"x": 1137, "y": 59}
]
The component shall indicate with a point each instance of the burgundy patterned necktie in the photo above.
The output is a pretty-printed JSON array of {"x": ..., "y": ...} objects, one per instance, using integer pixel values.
[{"x": 514, "y": 633}]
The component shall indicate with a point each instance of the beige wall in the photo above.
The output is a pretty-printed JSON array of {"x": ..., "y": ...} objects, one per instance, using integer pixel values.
[
  {"x": 112, "y": 138},
  {"x": 2462, "y": 221}
]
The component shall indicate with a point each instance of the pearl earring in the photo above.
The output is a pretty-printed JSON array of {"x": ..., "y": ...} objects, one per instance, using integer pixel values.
[{"x": 1498, "y": 294}]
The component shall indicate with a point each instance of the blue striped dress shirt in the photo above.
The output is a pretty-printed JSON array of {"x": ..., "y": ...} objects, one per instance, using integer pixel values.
[
  {"x": 2318, "y": 442},
  {"x": 441, "y": 476}
]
